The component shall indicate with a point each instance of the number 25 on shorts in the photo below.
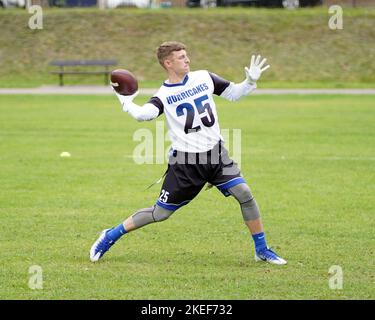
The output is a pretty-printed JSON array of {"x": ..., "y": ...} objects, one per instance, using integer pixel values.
[{"x": 164, "y": 196}]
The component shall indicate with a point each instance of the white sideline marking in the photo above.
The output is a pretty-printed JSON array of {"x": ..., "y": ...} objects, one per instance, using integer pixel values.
[{"x": 98, "y": 90}]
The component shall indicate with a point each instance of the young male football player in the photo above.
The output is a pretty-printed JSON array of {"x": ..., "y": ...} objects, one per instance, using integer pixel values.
[{"x": 198, "y": 155}]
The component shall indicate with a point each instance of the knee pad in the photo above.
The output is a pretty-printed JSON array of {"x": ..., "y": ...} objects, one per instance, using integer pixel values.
[
  {"x": 241, "y": 192},
  {"x": 143, "y": 217},
  {"x": 161, "y": 214},
  {"x": 249, "y": 207},
  {"x": 149, "y": 215}
]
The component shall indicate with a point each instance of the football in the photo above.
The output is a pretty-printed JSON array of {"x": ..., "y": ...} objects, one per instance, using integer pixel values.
[{"x": 124, "y": 82}]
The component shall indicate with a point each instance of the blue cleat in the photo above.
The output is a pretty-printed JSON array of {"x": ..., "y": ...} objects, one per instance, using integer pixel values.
[
  {"x": 101, "y": 246},
  {"x": 270, "y": 256}
]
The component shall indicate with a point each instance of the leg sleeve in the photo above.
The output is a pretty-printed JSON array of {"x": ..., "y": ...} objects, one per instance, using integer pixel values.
[
  {"x": 150, "y": 215},
  {"x": 249, "y": 207}
]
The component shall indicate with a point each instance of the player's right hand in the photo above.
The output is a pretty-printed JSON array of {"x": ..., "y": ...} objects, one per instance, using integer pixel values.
[{"x": 125, "y": 100}]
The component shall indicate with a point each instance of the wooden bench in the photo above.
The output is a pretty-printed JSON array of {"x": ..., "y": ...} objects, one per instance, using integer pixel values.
[{"x": 62, "y": 64}]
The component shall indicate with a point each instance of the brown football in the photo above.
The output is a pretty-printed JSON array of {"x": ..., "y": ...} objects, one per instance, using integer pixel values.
[{"x": 124, "y": 82}]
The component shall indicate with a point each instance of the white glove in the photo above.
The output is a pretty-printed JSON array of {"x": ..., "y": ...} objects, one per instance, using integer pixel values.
[
  {"x": 126, "y": 100},
  {"x": 254, "y": 72}
]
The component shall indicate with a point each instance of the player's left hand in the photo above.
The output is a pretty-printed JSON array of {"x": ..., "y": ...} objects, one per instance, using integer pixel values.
[{"x": 254, "y": 72}]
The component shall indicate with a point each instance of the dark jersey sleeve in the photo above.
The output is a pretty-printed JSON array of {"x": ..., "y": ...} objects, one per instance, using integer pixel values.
[
  {"x": 220, "y": 84},
  {"x": 158, "y": 104}
]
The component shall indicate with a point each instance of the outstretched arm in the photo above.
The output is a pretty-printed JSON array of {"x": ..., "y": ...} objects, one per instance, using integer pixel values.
[
  {"x": 236, "y": 90},
  {"x": 145, "y": 113}
]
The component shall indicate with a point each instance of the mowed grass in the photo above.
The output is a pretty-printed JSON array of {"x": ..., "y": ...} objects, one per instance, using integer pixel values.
[
  {"x": 308, "y": 159},
  {"x": 299, "y": 45}
]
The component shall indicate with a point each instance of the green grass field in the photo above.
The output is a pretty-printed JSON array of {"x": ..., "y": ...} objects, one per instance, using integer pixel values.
[
  {"x": 308, "y": 159},
  {"x": 302, "y": 50}
]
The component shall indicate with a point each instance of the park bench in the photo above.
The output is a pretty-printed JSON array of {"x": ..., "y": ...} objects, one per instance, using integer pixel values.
[{"x": 76, "y": 68}]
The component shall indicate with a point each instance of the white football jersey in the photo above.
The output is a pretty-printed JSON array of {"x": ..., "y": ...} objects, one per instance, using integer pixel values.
[{"x": 190, "y": 110}]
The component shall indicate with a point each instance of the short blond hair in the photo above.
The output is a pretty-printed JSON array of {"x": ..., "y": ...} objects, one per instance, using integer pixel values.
[{"x": 166, "y": 48}]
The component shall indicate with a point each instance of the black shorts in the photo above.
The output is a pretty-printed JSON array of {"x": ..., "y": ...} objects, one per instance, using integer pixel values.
[{"x": 187, "y": 174}]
